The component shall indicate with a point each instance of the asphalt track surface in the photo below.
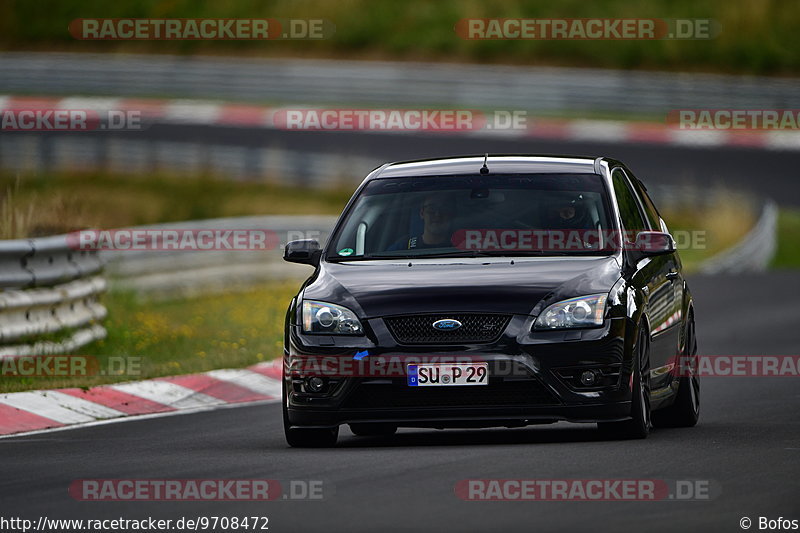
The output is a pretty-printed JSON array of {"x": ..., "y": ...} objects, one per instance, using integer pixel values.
[{"x": 747, "y": 442}]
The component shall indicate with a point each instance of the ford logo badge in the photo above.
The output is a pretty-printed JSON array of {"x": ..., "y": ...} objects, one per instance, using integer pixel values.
[{"x": 446, "y": 324}]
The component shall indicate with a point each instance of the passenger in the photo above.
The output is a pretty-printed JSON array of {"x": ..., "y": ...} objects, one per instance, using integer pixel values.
[{"x": 569, "y": 214}]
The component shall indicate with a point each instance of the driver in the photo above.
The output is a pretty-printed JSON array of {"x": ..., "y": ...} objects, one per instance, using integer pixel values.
[{"x": 437, "y": 211}]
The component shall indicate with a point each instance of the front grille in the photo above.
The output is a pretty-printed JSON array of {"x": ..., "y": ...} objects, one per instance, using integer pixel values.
[
  {"x": 475, "y": 328},
  {"x": 497, "y": 393}
]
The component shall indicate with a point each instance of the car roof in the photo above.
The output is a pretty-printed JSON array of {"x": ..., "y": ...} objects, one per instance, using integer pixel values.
[{"x": 497, "y": 164}]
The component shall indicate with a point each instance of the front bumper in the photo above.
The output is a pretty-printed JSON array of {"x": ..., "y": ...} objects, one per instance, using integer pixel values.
[
  {"x": 461, "y": 417},
  {"x": 532, "y": 379}
]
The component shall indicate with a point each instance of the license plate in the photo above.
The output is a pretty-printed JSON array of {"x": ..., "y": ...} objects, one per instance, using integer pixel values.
[{"x": 446, "y": 374}]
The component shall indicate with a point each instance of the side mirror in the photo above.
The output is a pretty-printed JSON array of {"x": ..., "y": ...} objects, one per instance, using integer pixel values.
[
  {"x": 649, "y": 243},
  {"x": 305, "y": 252}
]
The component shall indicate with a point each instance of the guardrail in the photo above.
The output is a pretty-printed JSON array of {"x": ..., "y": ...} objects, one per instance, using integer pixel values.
[
  {"x": 49, "y": 297},
  {"x": 399, "y": 84}
]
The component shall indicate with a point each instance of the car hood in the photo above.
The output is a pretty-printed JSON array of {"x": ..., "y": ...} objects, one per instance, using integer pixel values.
[{"x": 381, "y": 288}]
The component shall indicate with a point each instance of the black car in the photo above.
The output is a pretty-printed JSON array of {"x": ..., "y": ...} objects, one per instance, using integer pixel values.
[{"x": 491, "y": 291}]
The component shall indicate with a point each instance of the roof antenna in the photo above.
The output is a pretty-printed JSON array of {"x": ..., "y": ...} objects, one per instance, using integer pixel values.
[{"x": 484, "y": 168}]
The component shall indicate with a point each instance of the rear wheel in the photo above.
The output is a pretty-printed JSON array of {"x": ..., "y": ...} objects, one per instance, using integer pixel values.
[
  {"x": 685, "y": 411},
  {"x": 373, "y": 429},
  {"x": 638, "y": 427}
]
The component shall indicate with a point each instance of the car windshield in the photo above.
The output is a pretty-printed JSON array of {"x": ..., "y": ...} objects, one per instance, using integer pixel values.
[{"x": 476, "y": 215}]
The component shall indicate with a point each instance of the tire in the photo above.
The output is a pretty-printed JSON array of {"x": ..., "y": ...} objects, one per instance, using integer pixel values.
[
  {"x": 373, "y": 430},
  {"x": 638, "y": 427},
  {"x": 685, "y": 410},
  {"x": 307, "y": 437},
  {"x": 312, "y": 437}
]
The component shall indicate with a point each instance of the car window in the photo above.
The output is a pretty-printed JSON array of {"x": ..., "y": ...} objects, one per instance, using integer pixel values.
[
  {"x": 650, "y": 210},
  {"x": 629, "y": 209},
  {"x": 430, "y": 215}
]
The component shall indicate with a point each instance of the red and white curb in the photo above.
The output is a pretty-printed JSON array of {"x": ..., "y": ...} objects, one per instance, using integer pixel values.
[
  {"x": 33, "y": 411},
  {"x": 214, "y": 113}
]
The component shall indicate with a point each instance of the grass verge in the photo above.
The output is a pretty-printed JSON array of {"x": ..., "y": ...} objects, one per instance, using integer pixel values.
[
  {"x": 787, "y": 254},
  {"x": 179, "y": 337},
  {"x": 756, "y": 37}
]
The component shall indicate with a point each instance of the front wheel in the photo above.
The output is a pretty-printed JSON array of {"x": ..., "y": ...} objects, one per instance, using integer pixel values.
[
  {"x": 311, "y": 437},
  {"x": 638, "y": 427},
  {"x": 307, "y": 437}
]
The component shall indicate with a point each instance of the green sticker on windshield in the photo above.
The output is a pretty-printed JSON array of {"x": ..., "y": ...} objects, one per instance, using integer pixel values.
[{"x": 346, "y": 251}]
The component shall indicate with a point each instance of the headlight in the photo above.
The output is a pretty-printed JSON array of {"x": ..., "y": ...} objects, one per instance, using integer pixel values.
[
  {"x": 321, "y": 317},
  {"x": 582, "y": 312}
]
